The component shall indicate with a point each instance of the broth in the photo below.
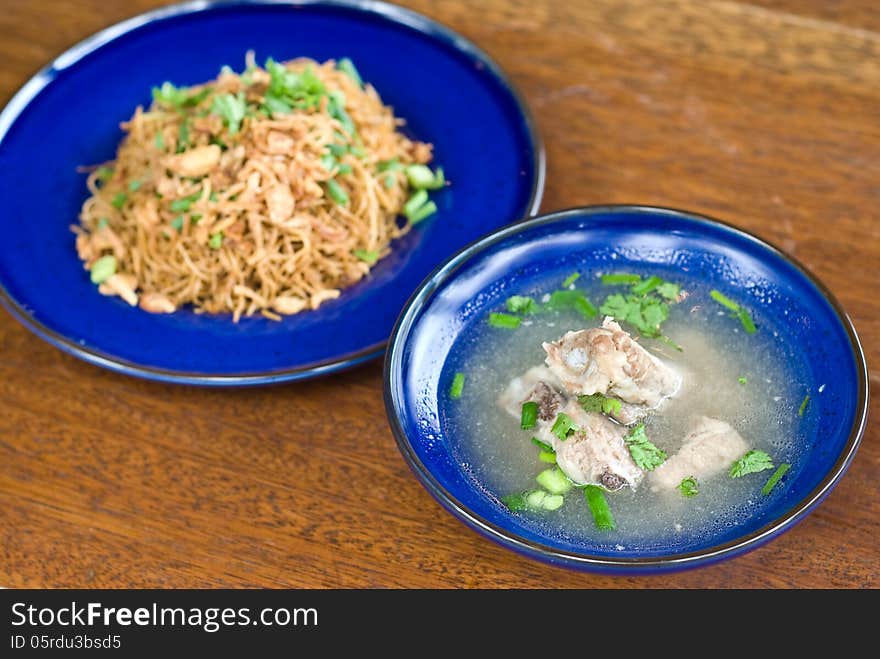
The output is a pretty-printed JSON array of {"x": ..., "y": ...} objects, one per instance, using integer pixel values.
[{"x": 715, "y": 354}]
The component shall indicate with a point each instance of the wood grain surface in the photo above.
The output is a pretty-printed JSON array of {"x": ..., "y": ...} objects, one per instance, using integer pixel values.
[{"x": 762, "y": 113}]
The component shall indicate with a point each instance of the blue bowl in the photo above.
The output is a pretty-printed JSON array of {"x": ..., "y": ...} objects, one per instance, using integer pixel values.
[
  {"x": 781, "y": 293},
  {"x": 449, "y": 91}
]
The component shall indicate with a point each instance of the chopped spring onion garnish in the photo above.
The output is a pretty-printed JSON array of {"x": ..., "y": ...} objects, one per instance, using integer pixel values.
[
  {"x": 576, "y": 300},
  {"x": 390, "y": 181},
  {"x": 392, "y": 165},
  {"x": 195, "y": 217},
  {"x": 216, "y": 240},
  {"x": 544, "y": 446},
  {"x": 600, "y": 404},
  {"x": 213, "y": 197},
  {"x": 336, "y": 192},
  {"x": 182, "y": 205},
  {"x": 457, "y": 386},
  {"x": 572, "y": 278},
  {"x": 751, "y": 463},
  {"x": 347, "y": 67},
  {"x": 563, "y": 426},
  {"x": 103, "y": 222},
  {"x": 554, "y": 481},
  {"x": 645, "y": 454},
  {"x": 595, "y": 497},
  {"x": 743, "y": 379},
  {"x": 422, "y": 178},
  {"x": 621, "y": 278},
  {"x": 646, "y": 286},
  {"x": 102, "y": 269},
  {"x": 343, "y": 169},
  {"x": 804, "y": 403},
  {"x": 135, "y": 185},
  {"x": 504, "y": 320},
  {"x": 103, "y": 173},
  {"x": 177, "y": 223},
  {"x": 337, "y": 150},
  {"x": 533, "y": 500},
  {"x": 183, "y": 136},
  {"x": 688, "y": 487},
  {"x": 119, "y": 200},
  {"x": 744, "y": 318},
  {"x": 367, "y": 256},
  {"x": 232, "y": 109},
  {"x": 775, "y": 478},
  {"x": 547, "y": 456},
  {"x": 529, "y": 415},
  {"x": 521, "y": 304},
  {"x": 426, "y": 210},
  {"x": 418, "y": 199}
]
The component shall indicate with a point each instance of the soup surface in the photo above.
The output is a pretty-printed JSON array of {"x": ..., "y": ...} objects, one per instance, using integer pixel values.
[{"x": 744, "y": 379}]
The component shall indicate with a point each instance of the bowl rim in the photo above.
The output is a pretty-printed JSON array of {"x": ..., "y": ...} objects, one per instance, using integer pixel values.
[
  {"x": 409, "y": 18},
  {"x": 553, "y": 555}
]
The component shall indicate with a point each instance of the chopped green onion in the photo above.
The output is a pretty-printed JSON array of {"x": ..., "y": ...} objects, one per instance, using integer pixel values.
[
  {"x": 336, "y": 192},
  {"x": 390, "y": 181},
  {"x": 746, "y": 320},
  {"x": 216, "y": 240},
  {"x": 195, "y": 217},
  {"x": 415, "y": 202},
  {"x": 177, "y": 223},
  {"x": 515, "y": 502},
  {"x": 366, "y": 256},
  {"x": 521, "y": 304},
  {"x": 213, "y": 197},
  {"x": 231, "y": 108},
  {"x": 504, "y": 320},
  {"x": 388, "y": 165},
  {"x": 548, "y": 457},
  {"x": 553, "y": 502},
  {"x": 337, "y": 150},
  {"x": 347, "y": 67},
  {"x": 646, "y": 286},
  {"x": 544, "y": 446},
  {"x": 182, "y": 205},
  {"x": 688, "y": 487},
  {"x": 563, "y": 426},
  {"x": 743, "y": 380},
  {"x": 554, "y": 481},
  {"x": 751, "y": 463},
  {"x": 428, "y": 209},
  {"x": 583, "y": 306},
  {"x": 104, "y": 173},
  {"x": 344, "y": 168},
  {"x": 102, "y": 269},
  {"x": 457, "y": 386},
  {"x": 528, "y": 415},
  {"x": 119, "y": 200},
  {"x": 134, "y": 185},
  {"x": 572, "y": 278},
  {"x": 183, "y": 136},
  {"x": 602, "y": 516},
  {"x": 775, "y": 478},
  {"x": 159, "y": 141},
  {"x": 644, "y": 453},
  {"x": 420, "y": 176},
  {"x": 804, "y": 404},
  {"x": 533, "y": 500},
  {"x": 621, "y": 278},
  {"x": 103, "y": 222},
  {"x": 723, "y": 300}
]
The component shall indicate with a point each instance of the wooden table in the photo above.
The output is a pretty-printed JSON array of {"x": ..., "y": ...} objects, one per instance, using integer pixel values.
[{"x": 764, "y": 113}]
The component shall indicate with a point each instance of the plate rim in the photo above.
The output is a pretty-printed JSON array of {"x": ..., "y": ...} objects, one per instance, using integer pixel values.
[
  {"x": 596, "y": 563},
  {"x": 426, "y": 26}
]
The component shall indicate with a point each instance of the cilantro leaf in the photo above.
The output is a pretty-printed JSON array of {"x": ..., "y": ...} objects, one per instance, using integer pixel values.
[
  {"x": 645, "y": 454},
  {"x": 751, "y": 463},
  {"x": 645, "y": 314},
  {"x": 521, "y": 304},
  {"x": 232, "y": 109},
  {"x": 688, "y": 487},
  {"x": 600, "y": 404},
  {"x": 669, "y": 290}
]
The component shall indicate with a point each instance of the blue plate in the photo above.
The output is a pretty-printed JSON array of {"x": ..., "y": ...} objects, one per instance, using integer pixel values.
[
  {"x": 68, "y": 115},
  {"x": 797, "y": 313}
]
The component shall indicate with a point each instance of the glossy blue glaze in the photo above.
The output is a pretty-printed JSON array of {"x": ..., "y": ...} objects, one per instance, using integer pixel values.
[
  {"x": 449, "y": 92},
  {"x": 780, "y": 293}
]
